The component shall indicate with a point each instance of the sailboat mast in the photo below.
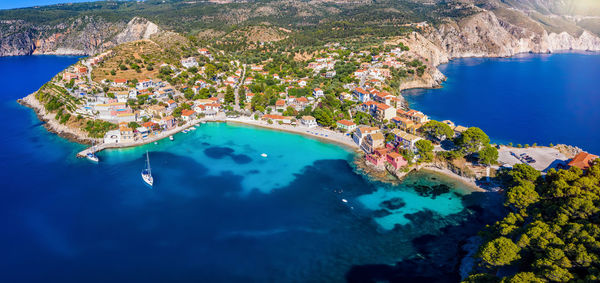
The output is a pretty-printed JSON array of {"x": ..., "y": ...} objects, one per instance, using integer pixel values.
[{"x": 148, "y": 161}]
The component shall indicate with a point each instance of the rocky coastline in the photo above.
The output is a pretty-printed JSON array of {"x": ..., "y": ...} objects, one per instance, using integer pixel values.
[
  {"x": 395, "y": 177},
  {"x": 52, "y": 125}
]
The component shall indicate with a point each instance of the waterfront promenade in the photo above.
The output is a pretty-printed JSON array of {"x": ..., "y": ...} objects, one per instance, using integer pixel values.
[
  {"x": 151, "y": 138},
  {"x": 314, "y": 132}
]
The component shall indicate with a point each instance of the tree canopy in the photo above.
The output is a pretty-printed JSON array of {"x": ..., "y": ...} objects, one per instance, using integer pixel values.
[
  {"x": 437, "y": 130},
  {"x": 552, "y": 233},
  {"x": 425, "y": 148},
  {"x": 488, "y": 155},
  {"x": 472, "y": 140}
]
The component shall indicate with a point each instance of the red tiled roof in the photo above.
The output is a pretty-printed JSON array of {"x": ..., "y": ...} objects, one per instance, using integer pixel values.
[
  {"x": 369, "y": 103},
  {"x": 359, "y": 89},
  {"x": 583, "y": 160},
  {"x": 149, "y": 124},
  {"x": 382, "y": 106},
  {"x": 186, "y": 112},
  {"x": 346, "y": 122}
]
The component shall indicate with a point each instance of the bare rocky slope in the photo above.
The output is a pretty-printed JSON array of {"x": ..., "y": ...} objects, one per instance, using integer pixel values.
[
  {"x": 82, "y": 36},
  {"x": 485, "y": 34}
]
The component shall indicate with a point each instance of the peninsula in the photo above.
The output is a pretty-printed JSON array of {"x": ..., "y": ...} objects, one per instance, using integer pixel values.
[{"x": 328, "y": 70}]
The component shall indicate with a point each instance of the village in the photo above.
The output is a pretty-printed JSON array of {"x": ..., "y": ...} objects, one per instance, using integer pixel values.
[{"x": 361, "y": 110}]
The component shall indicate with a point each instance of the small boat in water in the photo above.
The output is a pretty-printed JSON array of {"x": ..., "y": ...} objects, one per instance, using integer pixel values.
[
  {"x": 193, "y": 128},
  {"x": 345, "y": 200},
  {"x": 264, "y": 155},
  {"x": 171, "y": 138},
  {"x": 147, "y": 172},
  {"x": 92, "y": 154}
]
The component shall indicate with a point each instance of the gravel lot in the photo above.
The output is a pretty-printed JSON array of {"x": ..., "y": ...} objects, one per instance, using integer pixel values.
[{"x": 545, "y": 157}]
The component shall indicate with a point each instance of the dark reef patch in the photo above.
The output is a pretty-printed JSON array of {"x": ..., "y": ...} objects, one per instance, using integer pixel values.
[
  {"x": 218, "y": 152},
  {"x": 432, "y": 191},
  {"x": 393, "y": 204},
  {"x": 241, "y": 158}
]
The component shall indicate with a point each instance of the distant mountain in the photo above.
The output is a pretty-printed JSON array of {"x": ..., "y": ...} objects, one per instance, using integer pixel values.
[{"x": 460, "y": 28}]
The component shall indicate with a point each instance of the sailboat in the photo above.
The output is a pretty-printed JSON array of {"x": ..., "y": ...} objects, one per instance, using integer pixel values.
[
  {"x": 147, "y": 172},
  {"x": 92, "y": 154}
]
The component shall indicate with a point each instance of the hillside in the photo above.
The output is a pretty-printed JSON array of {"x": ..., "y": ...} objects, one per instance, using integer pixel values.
[{"x": 89, "y": 28}]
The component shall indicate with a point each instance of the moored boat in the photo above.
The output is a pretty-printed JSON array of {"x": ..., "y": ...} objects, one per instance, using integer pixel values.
[
  {"x": 147, "y": 172},
  {"x": 92, "y": 154}
]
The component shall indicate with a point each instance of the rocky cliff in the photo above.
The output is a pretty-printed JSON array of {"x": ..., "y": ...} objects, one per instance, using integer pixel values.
[
  {"x": 484, "y": 34},
  {"x": 82, "y": 36}
]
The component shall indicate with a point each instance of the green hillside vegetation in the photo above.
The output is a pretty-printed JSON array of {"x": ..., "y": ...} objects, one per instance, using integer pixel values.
[
  {"x": 551, "y": 233},
  {"x": 311, "y": 20},
  {"x": 56, "y": 100}
]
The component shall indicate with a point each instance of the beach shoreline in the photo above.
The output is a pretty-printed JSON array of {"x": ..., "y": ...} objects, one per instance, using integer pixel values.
[
  {"x": 471, "y": 184},
  {"x": 323, "y": 135}
]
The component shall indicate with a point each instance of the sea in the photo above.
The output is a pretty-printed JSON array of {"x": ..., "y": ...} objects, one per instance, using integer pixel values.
[
  {"x": 529, "y": 98},
  {"x": 219, "y": 211}
]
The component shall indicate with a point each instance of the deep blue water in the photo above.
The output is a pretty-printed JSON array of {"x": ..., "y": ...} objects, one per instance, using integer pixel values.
[
  {"x": 541, "y": 98},
  {"x": 219, "y": 211}
]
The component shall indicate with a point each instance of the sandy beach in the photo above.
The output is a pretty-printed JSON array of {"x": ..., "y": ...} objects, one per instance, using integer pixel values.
[
  {"x": 315, "y": 132},
  {"x": 446, "y": 172}
]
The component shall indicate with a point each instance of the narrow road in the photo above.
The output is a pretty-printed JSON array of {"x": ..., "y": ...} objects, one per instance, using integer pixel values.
[
  {"x": 89, "y": 72},
  {"x": 236, "y": 90}
]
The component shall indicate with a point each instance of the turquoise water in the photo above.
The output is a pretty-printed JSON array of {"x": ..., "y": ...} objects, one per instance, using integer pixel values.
[
  {"x": 526, "y": 99},
  {"x": 219, "y": 211}
]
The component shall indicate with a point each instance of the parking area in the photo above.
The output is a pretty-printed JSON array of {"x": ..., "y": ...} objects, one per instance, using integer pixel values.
[{"x": 540, "y": 158}]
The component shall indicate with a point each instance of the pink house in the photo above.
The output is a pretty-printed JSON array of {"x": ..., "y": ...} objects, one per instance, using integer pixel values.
[
  {"x": 378, "y": 157},
  {"x": 396, "y": 160}
]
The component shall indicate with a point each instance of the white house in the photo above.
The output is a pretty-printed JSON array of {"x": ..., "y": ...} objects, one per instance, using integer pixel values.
[
  {"x": 113, "y": 136},
  {"x": 144, "y": 84},
  {"x": 308, "y": 121},
  {"x": 119, "y": 83},
  {"x": 346, "y": 125},
  {"x": 317, "y": 92},
  {"x": 189, "y": 62}
]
